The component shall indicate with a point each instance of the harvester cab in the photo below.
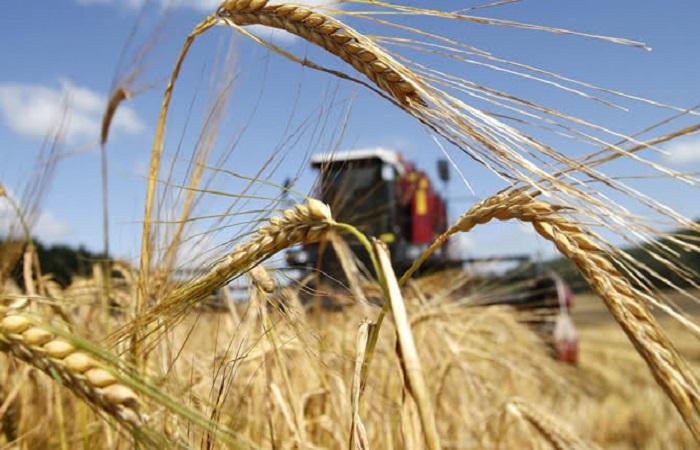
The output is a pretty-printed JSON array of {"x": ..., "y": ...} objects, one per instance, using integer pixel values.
[{"x": 384, "y": 196}]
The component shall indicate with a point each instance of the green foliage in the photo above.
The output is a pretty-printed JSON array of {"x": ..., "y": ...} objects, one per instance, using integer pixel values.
[{"x": 63, "y": 261}]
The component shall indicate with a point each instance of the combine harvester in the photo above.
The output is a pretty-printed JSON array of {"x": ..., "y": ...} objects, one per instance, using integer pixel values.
[{"x": 384, "y": 195}]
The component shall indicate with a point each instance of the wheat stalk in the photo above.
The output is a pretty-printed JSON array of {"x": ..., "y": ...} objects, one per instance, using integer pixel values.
[
  {"x": 621, "y": 298},
  {"x": 332, "y": 35},
  {"x": 556, "y": 434},
  {"x": 349, "y": 264},
  {"x": 358, "y": 432},
  {"x": 154, "y": 167},
  {"x": 406, "y": 349},
  {"x": 38, "y": 346},
  {"x": 264, "y": 285}
]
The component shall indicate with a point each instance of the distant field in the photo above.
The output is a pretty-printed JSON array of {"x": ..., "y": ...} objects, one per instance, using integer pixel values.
[{"x": 590, "y": 310}]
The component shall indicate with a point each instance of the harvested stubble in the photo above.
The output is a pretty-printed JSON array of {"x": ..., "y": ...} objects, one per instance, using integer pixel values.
[
  {"x": 622, "y": 300},
  {"x": 35, "y": 344},
  {"x": 332, "y": 35}
]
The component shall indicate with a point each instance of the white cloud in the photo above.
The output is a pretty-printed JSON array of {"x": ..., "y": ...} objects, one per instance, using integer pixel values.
[
  {"x": 460, "y": 246},
  {"x": 35, "y": 110},
  {"x": 48, "y": 228},
  {"x": 200, "y": 5},
  {"x": 684, "y": 151},
  {"x": 526, "y": 228},
  {"x": 130, "y": 3},
  {"x": 51, "y": 229},
  {"x": 208, "y": 6}
]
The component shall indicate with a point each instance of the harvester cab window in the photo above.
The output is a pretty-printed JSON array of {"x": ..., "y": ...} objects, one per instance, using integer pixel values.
[
  {"x": 358, "y": 192},
  {"x": 388, "y": 172}
]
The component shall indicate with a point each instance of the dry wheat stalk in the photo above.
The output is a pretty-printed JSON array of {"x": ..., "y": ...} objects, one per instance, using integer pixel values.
[
  {"x": 332, "y": 35},
  {"x": 621, "y": 298},
  {"x": 349, "y": 264},
  {"x": 556, "y": 434},
  {"x": 35, "y": 344},
  {"x": 300, "y": 224},
  {"x": 154, "y": 168},
  {"x": 358, "y": 432},
  {"x": 406, "y": 348},
  {"x": 285, "y": 395},
  {"x": 27, "y": 269}
]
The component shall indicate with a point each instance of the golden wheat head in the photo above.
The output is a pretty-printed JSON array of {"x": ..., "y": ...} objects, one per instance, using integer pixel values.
[
  {"x": 34, "y": 343},
  {"x": 332, "y": 35}
]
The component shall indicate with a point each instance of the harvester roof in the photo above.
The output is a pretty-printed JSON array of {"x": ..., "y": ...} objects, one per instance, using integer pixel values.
[{"x": 388, "y": 156}]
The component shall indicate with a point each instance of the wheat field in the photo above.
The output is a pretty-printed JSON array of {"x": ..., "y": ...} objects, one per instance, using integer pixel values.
[{"x": 136, "y": 355}]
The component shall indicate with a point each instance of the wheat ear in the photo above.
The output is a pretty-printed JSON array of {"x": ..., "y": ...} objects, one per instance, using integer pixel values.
[
  {"x": 332, "y": 35},
  {"x": 262, "y": 279},
  {"x": 35, "y": 344},
  {"x": 300, "y": 224},
  {"x": 622, "y": 300}
]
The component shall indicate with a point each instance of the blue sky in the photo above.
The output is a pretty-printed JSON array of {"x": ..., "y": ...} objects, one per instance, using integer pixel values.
[{"x": 66, "y": 52}]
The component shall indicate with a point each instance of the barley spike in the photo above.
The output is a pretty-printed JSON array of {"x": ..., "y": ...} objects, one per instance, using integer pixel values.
[
  {"x": 35, "y": 344},
  {"x": 332, "y": 35},
  {"x": 300, "y": 224}
]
